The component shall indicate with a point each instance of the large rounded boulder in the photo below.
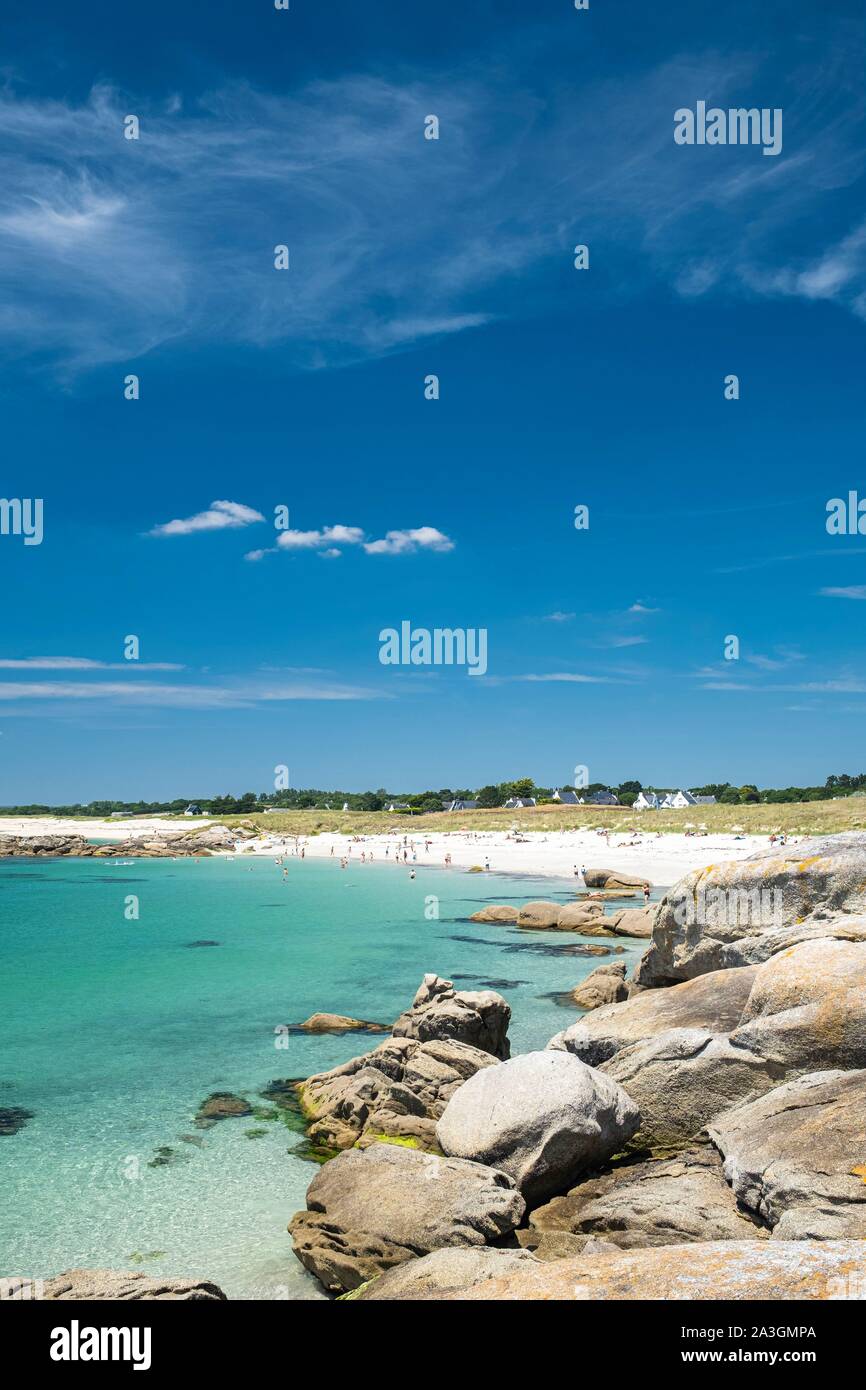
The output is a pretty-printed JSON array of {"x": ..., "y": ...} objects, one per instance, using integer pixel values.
[
  {"x": 543, "y": 1118},
  {"x": 744, "y": 912}
]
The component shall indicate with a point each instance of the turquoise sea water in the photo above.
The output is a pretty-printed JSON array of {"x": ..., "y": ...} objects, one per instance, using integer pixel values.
[{"x": 112, "y": 1031}]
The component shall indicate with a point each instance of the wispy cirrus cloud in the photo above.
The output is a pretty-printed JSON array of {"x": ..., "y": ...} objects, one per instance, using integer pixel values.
[
  {"x": 110, "y": 248},
  {"x": 82, "y": 663},
  {"x": 219, "y": 516},
  {"x": 853, "y": 591},
  {"x": 241, "y": 695}
]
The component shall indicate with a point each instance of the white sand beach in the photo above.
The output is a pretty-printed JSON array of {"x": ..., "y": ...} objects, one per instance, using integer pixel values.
[{"x": 662, "y": 858}]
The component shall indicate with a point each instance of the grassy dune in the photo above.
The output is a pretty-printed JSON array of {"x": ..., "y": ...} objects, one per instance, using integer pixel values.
[{"x": 797, "y": 817}]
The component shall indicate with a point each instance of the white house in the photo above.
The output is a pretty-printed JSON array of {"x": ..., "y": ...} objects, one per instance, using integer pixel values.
[
  {"x": 646, "y": 801},
  {"x": 459, "y": 805},
  {"x": 705, "y": 800},
  {"x": 603, "y": 798},
  {"x": 193, "y": 810},
  {"x": 519, "y": 803},
  {"x": 397, "y": 806},
  {"x": 675, "y": 801},
  {"x": 567, "y": 798}
]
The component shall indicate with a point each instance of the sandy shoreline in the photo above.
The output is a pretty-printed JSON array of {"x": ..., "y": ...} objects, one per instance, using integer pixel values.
[{"x": 661, "y": 858}]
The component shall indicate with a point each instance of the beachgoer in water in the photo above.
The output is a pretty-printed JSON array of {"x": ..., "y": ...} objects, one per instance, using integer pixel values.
[{"x": 646, "y": 894}]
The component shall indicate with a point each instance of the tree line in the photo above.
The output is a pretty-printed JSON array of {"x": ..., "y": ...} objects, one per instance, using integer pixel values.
[{"x": 488, "y": 797}]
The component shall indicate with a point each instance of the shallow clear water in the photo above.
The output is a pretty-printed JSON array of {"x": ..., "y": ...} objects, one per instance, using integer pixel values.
[{"x": 112, "y": 1031}]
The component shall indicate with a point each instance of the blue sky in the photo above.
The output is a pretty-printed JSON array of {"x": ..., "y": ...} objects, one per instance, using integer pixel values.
[{"x": 305, "y": 388}]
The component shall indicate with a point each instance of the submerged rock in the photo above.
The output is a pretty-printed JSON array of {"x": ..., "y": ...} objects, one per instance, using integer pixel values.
[
  {"x": 744, "y": 1270},
  {"x": 13, "y": 1118},
  {"x": 220, "y": 1105},
  {"x": 544, "y": 1118},
  {"x": 370, "y": 1209}
]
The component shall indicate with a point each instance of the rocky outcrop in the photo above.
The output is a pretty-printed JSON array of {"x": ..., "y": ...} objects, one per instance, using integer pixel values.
[
  {"x": 112, "y": 1285},
  {"x": 682, "y": 1079},
  {"x": 662, "y": 1202},
  {"x": 632, "y": 921},
  {"x": 544, "y": 1118},
  {"x": 611, "y": 879},
  {"x": 748, "y": 1270},
  {"x": 539, "y": 916},
  {"x": 398, "y": 1090},
  {"x": 163, "y": 844},
  {"x": 586, "y": 918},
  {"x": 496, "y": 913},
  {"x": 444, "y": 1270},
  {"x": 340, "y": 1023},
  {"x": 605, "y": 985},
  {"x": 806, "y": 1010},
  {"x": 370, "y": 1209},
  {"x": 734, "y": 914},
  {"x": 479, "y": 1018},
  {"x": 712, "y": 1002},
  {"x": 797, "y": 1157}
]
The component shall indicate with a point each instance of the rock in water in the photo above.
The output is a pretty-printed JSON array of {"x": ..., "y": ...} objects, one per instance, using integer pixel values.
[
  {"x": 221, "y": 1105},
  {"x": 797, "y": 1156},
  {"x": 479, "y": 1018},
  {"x": 457, "y": 1268},
  {"x": 13, "y": 1118},
  {"x": 742, "y": 913},
  {"x": 340, "y": 1023},
  {"x": 605, "y": 985},
  {"x": 749, "y": 1270},
  {"x": 495, "y": 913},
  {"x": 611, "y": 879},
  {"x": 712, "y": 1002},
  {"x": 370, "y": 1209},
  {"x": 543, "y": 1118},
  {"x": 660, "y": 1202},
  {"x": 540, "y": 915},
  {"x": 112, "y": 1285}
]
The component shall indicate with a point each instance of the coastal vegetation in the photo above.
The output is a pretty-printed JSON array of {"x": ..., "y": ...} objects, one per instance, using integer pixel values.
[{"x": 491, "y": 797}]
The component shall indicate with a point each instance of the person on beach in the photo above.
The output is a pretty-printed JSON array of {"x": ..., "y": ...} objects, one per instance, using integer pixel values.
[
  {"x": 411, "y": 873},
  {"x": 486, "y": 862},
  {"x": 646, "y": 894}
]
